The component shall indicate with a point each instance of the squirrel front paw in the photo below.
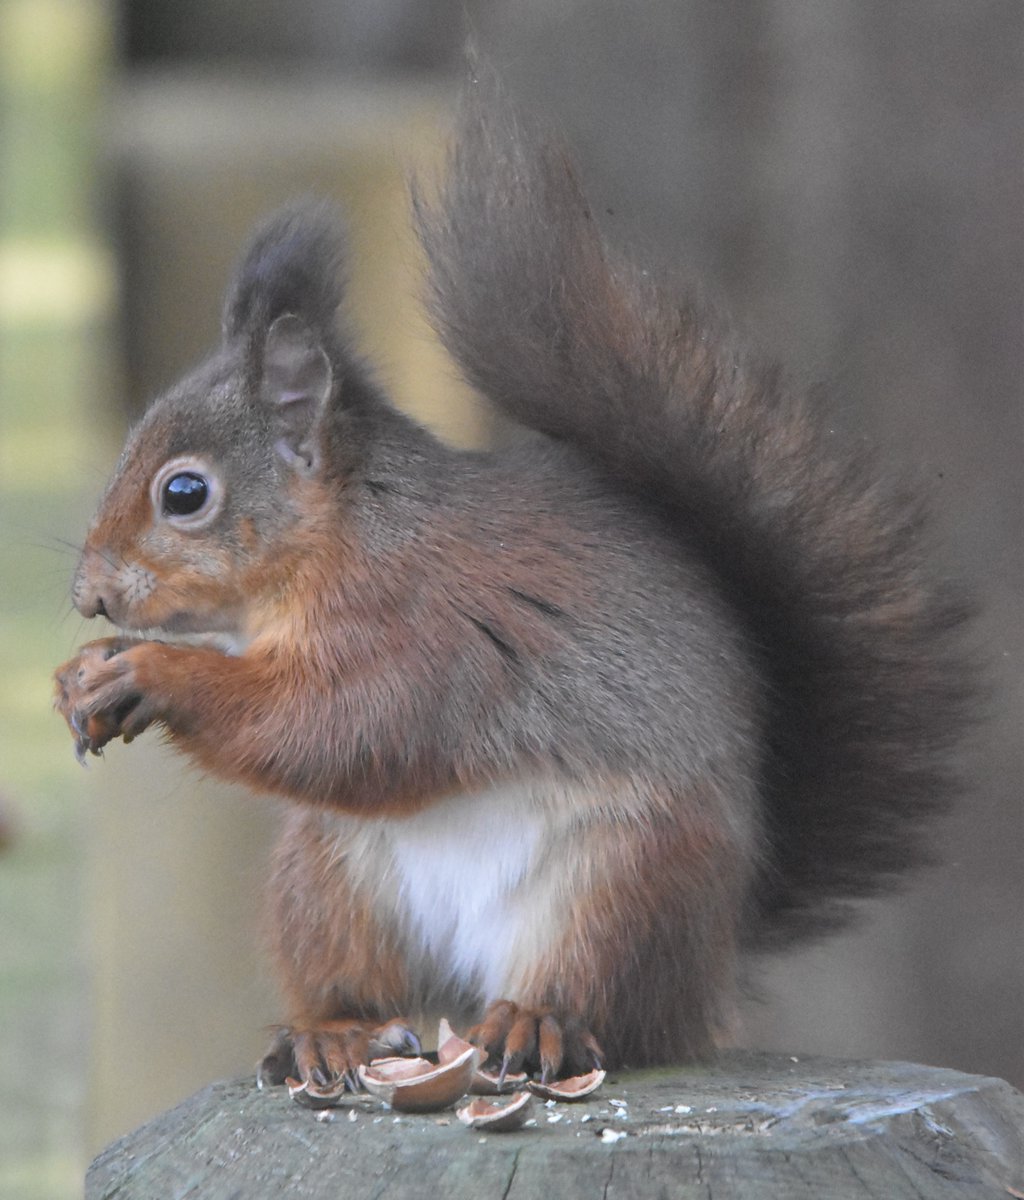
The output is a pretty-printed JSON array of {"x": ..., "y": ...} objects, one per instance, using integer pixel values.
[
  {"x": 101, "y": 695},
  {"x": 515, "y": 1037}
]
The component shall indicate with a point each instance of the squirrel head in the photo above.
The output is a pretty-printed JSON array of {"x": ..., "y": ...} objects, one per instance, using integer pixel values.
[{"x": 220, "y": 481}]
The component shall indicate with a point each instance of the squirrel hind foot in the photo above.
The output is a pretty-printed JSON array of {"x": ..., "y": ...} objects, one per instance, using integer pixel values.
[
  {"x": 516, "y": 1037},
  {"x": 326, "y": 1056}
]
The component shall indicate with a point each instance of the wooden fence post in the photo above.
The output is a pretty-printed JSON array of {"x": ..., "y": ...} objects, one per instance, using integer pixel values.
[{"x": 753, "y": 1125}]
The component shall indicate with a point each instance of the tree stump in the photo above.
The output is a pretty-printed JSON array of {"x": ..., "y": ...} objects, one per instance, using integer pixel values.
[{"x": 753, "y": 1125}]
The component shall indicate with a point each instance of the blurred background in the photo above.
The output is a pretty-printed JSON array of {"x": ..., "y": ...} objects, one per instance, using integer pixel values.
[{"x": 845, "y": 177}]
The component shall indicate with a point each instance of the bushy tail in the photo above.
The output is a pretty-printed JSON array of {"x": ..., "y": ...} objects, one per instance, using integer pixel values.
[{"x": 859, "y": 643}]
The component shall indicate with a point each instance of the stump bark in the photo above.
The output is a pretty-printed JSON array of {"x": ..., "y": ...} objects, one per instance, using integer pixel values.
[{"x": 761, "y": 1126}]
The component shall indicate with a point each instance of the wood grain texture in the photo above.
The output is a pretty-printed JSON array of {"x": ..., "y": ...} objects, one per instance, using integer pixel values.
[{"x": 754, "y": 1125}]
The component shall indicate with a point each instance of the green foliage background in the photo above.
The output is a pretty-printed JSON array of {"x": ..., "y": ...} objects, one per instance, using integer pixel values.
[{"x": 56, "y": 299}]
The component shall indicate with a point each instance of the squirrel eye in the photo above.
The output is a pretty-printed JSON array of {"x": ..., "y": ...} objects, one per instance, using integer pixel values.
[{"x": 185, "y": 494}]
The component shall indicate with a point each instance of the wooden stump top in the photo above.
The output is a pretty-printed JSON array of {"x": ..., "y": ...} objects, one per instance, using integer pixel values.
[{"x": 752, "y": 1125}]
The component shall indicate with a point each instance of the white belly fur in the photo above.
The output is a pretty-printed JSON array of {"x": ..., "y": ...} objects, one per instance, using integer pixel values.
[
  {"x": 480, "y": 885},
  {"x": 458, "y": 870}
]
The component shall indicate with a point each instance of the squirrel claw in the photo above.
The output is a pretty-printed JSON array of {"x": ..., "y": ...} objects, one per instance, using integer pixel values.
[
  {"x": 85, "y": 745},
  {"x": 534, "y": 1038},
  {"x": 394, "y": 1038},
  {"x": 323, "y": 1059},
  {"x": 506, "y": 1062},
  {"x": 99, "y": 696}
]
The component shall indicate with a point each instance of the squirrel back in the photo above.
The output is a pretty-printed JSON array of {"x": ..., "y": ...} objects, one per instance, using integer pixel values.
[{"x": 860, "y": 641}]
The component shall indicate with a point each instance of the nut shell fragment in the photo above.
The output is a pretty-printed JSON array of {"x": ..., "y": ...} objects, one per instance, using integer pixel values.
[
  {"x": 417, "y": 1085},
  {"x": 398, "y": 1069},
  {"x": 312, "y": 1096},
  {"x": 449, "y": 1044},
  {"x": 485, "y": 1083},
  {"x": 578, "y": 1087},
  {"x": 497, "y": 1116}
]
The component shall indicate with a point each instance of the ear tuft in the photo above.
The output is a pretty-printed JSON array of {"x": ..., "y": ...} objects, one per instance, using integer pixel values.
[
  {"x": 294, "y": 264},
  {"x": 296, "y": 385}
]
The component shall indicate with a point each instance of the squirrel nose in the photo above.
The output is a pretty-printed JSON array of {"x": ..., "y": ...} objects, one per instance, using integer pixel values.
[
  {"x": 89, "y": 605},
  {"x": 86, "y": 591}
]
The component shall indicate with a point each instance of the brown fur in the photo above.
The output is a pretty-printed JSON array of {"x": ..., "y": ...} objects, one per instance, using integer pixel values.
[
  {"x": 564, "y": 725},
  {"x": 335, "y": 956}
]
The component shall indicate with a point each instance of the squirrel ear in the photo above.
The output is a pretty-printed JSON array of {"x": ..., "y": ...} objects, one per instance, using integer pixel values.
[{"x": 297, "y": 380}]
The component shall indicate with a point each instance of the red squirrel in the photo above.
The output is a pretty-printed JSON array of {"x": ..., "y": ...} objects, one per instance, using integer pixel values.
[{"x": 565, "y": 726}]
